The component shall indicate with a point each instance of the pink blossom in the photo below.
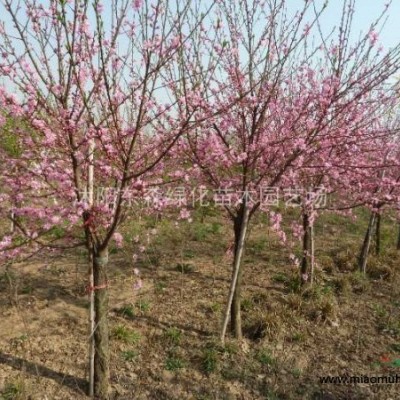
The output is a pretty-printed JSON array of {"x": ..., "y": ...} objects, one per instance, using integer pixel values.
[
  {"x": 100, "y": 8},
  {"x": 138, "y": 284},
  {"x": 241, "y": 157},
  {"x": 184, "y": 214},
  {"x": 5, "y": 242},
  {"x": 118, "y": 238},
  {"x": 137, "y": 4},
  {"x": 373, "y": 37}
]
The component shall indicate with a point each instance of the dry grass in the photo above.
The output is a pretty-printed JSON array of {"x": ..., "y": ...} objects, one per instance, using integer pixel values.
[{"x": 164, "y": 338}]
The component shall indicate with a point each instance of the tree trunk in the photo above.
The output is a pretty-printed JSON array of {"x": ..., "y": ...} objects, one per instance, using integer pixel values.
[
  {"x": 378, "y": 235},
  {"x": 398, "y": 239},
  {"x": 91, "y": 325},
  {"x": 101, "y": 355},
  {"x": 90, "y": 190},
  {"x": 236, "y": 319},
  {"x": 12, "y": 225},
  {"x": 362, "y": 260},
  {"x": 233, "y": 305},
  {"x": 305, "y": 262},
  {"x": 312, "y": 248}
]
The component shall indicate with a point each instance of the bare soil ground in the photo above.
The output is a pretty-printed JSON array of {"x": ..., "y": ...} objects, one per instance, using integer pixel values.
[{"x": 164, "y": 337}]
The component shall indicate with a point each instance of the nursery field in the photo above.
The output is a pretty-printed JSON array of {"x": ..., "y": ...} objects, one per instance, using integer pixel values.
[
  {"x": 199, "y": 200},
  {"x": 164, "y": 336}
]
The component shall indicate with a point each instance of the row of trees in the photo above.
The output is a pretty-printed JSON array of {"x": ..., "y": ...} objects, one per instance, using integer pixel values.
[{"x": 239, "y": 95}]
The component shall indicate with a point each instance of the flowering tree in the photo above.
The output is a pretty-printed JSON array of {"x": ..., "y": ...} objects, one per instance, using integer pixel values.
[
  {"x": 343, "y": 169},
  {"x": 295, "y": 101},
  {"x": 380, "y": 189},
  {"x": 92, "y": 88},
  {"x": 9, "y": 147}
]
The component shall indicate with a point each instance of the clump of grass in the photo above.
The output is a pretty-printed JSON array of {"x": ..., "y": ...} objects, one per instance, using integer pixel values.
[
  {"x": 298, "y": 337},
  {"x": 153, "y": 259},
  {"x": 14, "y": 390},
  {"x": 359, "y": 282},
  {"x": 379, "y": 311},
  {"x": 173, "y": 363},
  {"x": 230, "y": 348},
  {"x": 160, "y": 286},
  {"x": 296, "y": 372},
  {"x": 327, "y": 264},
  {"x": 209, "y": 359},
  {"x": 262, "y": 325},
  {"x": 246, "y": 304},
  {"x": 129, "y": 355},
  {"x": 311, "y": 292},
  {"x": 143, "y": 305},
  {"x": 294, "y": 301},
  {"x": 124, "y": 334},
  {"x": 126, "y": 311},
  {"x": 205, "y": 211},
  {"x": 344, "y": 261},
  {"x": 212, "y": 352},
  {"x": 386, "y": 321},
  {"x": 173, "y": 336},
  {"x": 293, "y": 283},
  {"x": 260, "y": 298},
  {"x": 200, "y": 231},
  {"x": 323, "y": 309},
  {"x": 280, "y": 278},
  {"x": 376, "y": 269},
  {"x": 316, "y": 291},
  {"x": 390, "y": 257},
  {"x": 264, "y": 357},
  {"x": 19, "y": 342},
  {"x": 234, "y": 372},
  {"x": 256, "y": 247},
  {"x": 57, "y": 271},
  {"x": 188, "y": 253},
  {"x": 184, "y": 268},
  {"x": 215, "y": 308},
  {"x": 342, "y": 285},
  {"x": 27, "y": 290},
  {"x": 57, "y": 232}
]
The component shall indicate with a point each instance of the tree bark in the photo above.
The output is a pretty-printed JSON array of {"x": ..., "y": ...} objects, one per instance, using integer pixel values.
[
  {"x": 305, "y": 262},
  {"x": 398, "y": 239},
  {"x": 12, "y": 225},
  {"x": 378, "y": 235},
  {"x": 236, "y": 318},
  {"x": 101, "y": 354},
  {"x": 233, "y": 305},
  {"x": 90, "y": 190},
  {"x": 312, "y": 255},
  {"x": 362, "y": 259},
  {"x": 91, "y": 325}
]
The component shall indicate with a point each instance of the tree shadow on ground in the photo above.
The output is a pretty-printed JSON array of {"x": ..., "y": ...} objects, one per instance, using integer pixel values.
[
  {"x": 43, "y": 284},
  {"x": 166, "y": 325},
  {"x": 79, "y": 385}
]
